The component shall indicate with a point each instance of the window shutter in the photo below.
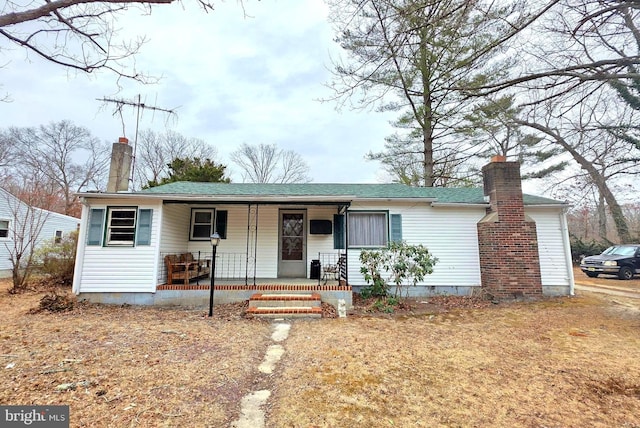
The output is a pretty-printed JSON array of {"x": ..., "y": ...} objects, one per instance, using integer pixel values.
[
  {"x": 396, "y": 227},
  {"x": 221, "y": 223},
  {"x": 96, "y": 219},
  {"x": 338, "y": 231},
  {"x": 143, "y": 236}
]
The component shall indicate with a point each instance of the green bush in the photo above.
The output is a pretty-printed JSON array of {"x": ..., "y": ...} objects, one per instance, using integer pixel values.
[
  {"x": 57, "y": 259},
  {"x": 579, "y": 248},
  {"x": 399, "y": 264}
]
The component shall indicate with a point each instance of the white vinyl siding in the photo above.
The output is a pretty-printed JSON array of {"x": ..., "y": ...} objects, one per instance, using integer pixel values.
[
  {"x": 51, "y": 222},
  {"x": 450, "y": 234},
  {"x": 554, "y": 266},
  {"x": 121, "y": 268}
]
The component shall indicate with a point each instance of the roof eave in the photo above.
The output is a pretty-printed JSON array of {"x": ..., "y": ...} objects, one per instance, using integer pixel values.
[
  {"x": 182, "y": 197},
  {"x": 459, "y": 205},
  {"x": 558, "y": 205}
]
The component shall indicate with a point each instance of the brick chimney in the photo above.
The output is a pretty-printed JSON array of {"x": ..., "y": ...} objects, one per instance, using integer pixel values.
[
  {"x": 507, "y": 239},
  {"x": 121, "y": 154}
]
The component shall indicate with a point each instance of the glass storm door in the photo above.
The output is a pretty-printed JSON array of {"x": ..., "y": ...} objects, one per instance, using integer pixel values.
[{"x": 292, "y": 251}]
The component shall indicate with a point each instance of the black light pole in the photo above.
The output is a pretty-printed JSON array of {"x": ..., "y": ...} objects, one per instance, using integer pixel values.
[{"x": 215, "y": 240}]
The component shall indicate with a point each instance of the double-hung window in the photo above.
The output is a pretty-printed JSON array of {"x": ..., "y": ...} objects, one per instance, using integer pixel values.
[
  {"x": 205, "y": 221},
  {"x": 4, "y": 229},
  {"x": 201, "y": 224},
  {"x": 368, "y": 229},
  {"x": 121, "y": 226}
]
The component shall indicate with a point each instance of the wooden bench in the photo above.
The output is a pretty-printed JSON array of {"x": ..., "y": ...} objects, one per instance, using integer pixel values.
[{"x": 184, "y": 267}]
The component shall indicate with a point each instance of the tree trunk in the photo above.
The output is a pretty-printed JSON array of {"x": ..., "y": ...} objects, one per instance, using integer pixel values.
[{"x": 602, "y": 218}]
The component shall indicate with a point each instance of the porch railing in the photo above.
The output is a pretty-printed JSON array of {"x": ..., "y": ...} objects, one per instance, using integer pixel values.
[
  {"x": 228, "y": 265},
  {"x": 333, "y": 267}
]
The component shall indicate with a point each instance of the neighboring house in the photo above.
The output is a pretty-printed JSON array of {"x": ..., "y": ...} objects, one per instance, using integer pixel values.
[
  {"x": 273, "y": 234},
  {"x": 19, "y": 222}
]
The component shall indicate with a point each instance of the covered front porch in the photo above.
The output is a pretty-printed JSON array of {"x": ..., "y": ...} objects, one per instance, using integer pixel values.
[{"x": 282, "y": 245}]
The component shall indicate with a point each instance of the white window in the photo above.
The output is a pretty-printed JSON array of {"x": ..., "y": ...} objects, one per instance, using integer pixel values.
[
  {"x": 58, "y": 237},
  {"x": 4, "y": 229},
  {"x": 368, "y": 229},
  {"x": 202, "y": 221},
  {"x": 121, "y": 226}
]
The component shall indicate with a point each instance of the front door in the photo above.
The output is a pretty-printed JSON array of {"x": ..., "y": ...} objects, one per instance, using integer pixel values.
[{"x": 292, "y": 251}]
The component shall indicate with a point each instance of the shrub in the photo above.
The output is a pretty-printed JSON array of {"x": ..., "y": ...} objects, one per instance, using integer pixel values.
[
  {"x": 399, "y": 264},
  {"x": 58, "y": 259},
  {"x": 580, "y": 249}
]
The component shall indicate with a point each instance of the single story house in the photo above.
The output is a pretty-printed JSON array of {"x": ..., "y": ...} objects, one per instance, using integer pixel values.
[
  {"x": 289, "y": 236},
  {"x": 20, "y": 224}
]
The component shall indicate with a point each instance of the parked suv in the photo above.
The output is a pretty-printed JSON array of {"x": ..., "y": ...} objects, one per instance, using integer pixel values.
[{"x": 621, "y": 260}]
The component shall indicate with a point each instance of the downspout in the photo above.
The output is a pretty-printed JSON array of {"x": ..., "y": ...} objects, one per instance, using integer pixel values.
[
  {"x": 246, "y": 252},
  {"x": 82, "y": 234},
  {"x": 567, "y": 248},
  {"x": 346, "y": 245}
]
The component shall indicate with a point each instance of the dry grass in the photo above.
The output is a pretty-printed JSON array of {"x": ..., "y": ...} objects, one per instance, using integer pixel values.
[
  {"x": 131, "y": 366},
  {"x": 568, "y": 362}
]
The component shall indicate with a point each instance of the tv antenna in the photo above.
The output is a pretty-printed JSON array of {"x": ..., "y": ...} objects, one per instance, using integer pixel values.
[{"x": 120, "y": 104}]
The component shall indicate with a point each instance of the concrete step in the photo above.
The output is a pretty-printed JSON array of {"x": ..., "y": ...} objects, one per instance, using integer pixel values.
[
  {"x": 276, "y": 300},
  {"x": 285, "y": 312}
]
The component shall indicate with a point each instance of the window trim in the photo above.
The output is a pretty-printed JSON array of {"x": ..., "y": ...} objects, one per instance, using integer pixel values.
[
  {"x": 192, "y": 223},
  {"x": 8, "y": 229},
  {"x": 107, "y": 230},
  {"x": 385, "y": 233}
]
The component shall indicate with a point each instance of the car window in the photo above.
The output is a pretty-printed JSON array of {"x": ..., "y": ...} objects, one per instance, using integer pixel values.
[{"x": 620, "y": 251}]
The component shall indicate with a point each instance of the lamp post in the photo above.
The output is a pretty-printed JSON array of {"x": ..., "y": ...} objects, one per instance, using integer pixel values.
[{"x": 215, "y": 240}]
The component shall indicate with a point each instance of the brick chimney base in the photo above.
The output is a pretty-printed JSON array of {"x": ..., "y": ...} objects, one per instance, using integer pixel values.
[{"x": 509, "y": 261}]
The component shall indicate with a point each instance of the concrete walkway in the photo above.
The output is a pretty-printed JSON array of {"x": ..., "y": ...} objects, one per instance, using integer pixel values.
[{"x": 252, "y": 414}]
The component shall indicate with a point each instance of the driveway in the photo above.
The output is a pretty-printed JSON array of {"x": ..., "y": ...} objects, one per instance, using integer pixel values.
[{"x": 607, "y": 285}]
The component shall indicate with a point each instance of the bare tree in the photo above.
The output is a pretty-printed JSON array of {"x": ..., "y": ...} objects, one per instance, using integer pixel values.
[
  {"x": 77, "y": 34},
  {"x": 571, "y": 43},
  {"x": 266, "y": 163},
  {"x": 582, "y": 132},
  {"x": 60, "y": 158},
  {"x": 7, "y": 153},
  {"x": 155, "y": 151},
  {"x": 25, "y": 230}
]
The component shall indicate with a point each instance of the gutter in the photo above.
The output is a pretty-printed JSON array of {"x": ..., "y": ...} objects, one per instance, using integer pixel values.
[
  {"x": 240, "y": 199},
  {"x": 459, "y": 205},
  {"x": 564, "y": 227}
]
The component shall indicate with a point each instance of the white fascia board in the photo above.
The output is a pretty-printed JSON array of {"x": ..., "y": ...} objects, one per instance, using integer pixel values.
[
  {"x": 425, "y": 200},
  {"x": 556, "y": 206},
  {"x": 223, "y": 198},
  {"x": 458, "y": 205}
]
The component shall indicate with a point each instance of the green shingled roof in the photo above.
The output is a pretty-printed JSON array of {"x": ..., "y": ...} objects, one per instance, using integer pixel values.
[{"x": 465, "y": 195}]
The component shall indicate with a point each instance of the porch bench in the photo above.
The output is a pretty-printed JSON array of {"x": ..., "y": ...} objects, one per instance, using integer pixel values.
[{"x": 184, "y": 267}]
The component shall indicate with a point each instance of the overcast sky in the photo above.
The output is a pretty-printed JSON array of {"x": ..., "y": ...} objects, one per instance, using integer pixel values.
[{"x": 233, "y": 80}]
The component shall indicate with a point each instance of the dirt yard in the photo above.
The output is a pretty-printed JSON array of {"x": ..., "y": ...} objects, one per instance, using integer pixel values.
[{"x": 566, "y": 362}]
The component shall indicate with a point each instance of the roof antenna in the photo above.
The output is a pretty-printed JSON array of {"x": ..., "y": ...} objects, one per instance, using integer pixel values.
[{"x": 137, "y": 103}]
